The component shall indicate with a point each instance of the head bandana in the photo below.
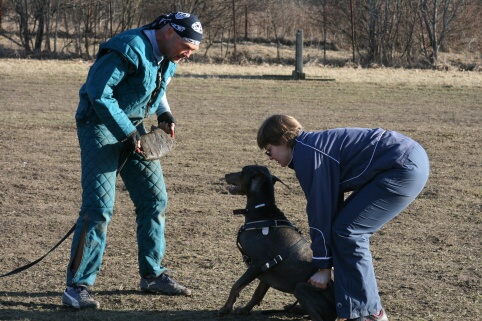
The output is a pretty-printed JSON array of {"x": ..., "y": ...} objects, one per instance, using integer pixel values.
[{"x": 186, "y": 25}]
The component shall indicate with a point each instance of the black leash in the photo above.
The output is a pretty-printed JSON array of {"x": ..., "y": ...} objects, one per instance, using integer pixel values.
[
  {"x": 124, "y": 157},
  {"x": 23, "y": 268}
]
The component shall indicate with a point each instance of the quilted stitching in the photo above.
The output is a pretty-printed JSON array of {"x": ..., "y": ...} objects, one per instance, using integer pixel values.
[{"x": 144, "y": 180}]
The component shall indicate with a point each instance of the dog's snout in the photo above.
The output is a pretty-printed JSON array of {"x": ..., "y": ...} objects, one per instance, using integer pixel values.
[{"x": 232, "y": 178}]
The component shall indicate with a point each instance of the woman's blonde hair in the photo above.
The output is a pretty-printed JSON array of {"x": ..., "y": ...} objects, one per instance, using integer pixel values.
[{"x": 277, "y": 129}]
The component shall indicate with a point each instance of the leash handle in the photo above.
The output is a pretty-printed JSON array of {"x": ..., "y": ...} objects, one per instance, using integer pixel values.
[{"x": 124, "y": 156}]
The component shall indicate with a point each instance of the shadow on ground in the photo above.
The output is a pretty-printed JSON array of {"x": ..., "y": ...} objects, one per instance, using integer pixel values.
[
  {"x": 19, "y": 307},
  {"x": 256, "y": 77}
]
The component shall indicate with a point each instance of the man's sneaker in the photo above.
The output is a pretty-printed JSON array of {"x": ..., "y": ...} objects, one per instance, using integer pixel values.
[
  {"x": 78, "y": 297},
  {"x": 163, "y": 284},
  {"x": 380, "y": 316}
]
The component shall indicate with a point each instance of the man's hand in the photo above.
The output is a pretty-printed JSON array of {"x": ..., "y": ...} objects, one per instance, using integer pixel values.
[
  {"x": 167, "y": 123},
  {"x": 132, "y": 142},
  {"x": 321, "y": 278}
]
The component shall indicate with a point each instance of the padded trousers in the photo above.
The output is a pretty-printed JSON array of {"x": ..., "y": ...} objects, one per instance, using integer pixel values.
[{"x": 100, "y": 157}]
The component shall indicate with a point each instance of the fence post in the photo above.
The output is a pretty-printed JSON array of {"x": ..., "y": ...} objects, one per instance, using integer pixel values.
[{"x": 298, "y": 72}]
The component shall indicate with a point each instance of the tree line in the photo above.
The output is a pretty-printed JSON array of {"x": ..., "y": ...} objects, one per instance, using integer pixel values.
[{"x": 386, "y": 32}]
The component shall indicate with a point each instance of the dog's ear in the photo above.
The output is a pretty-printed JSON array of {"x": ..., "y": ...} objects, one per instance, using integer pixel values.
[{"x": 275, "y": 179}]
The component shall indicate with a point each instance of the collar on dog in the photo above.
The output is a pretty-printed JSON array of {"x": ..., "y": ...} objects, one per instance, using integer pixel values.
[
  {"x": 264, "y": 207},
  {"x": 267, "y": 223}
]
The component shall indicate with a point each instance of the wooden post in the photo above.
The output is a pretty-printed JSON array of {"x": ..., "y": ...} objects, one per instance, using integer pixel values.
[
  {"x": 352, "y": 31},
  {"x": 298, "y": 72},
  {"x": 1, "y": 12}
]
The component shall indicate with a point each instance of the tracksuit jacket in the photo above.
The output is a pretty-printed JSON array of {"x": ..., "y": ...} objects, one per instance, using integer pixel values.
[{"x": 332, "y": 162}]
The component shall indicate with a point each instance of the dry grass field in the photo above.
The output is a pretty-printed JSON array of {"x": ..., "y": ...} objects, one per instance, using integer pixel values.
[
  {"x": 249, "y": 53},
  {"x": 428, "y": 260}
]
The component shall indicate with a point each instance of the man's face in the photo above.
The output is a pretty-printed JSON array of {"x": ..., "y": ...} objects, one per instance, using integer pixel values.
[{"x": 176, "y": 48}]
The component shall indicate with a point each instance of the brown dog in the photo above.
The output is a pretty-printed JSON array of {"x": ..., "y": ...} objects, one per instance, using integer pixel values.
[{"x": 274, "y": 250}]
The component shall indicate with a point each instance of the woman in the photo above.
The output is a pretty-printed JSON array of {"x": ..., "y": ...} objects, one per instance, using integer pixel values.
[{"x": 383, "y": 169}]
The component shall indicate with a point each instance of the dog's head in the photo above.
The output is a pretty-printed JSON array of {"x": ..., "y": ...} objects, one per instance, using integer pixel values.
[{"x": 252, "y": 179}]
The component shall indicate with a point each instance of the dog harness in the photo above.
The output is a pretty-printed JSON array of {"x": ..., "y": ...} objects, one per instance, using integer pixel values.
[{"x": 265, "y": 225}]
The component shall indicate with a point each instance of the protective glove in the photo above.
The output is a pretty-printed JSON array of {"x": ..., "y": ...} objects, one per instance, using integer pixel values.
[
  {"x": 167, "y": 123},
  {"x": 166, "y": 117},
  {"x": 131, "y": 142}
]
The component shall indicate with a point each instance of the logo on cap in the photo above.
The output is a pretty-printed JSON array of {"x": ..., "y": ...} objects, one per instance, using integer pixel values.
[
  {"x": 197, "y": 27},
  {"x": 182, "y": 15},
  {"x": 178, "y": 27}
]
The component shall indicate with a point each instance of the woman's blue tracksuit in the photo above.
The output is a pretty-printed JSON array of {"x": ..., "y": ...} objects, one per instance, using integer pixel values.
[
  {"x": 112, "y": 105},
  {"x": 385, "y": 171}
]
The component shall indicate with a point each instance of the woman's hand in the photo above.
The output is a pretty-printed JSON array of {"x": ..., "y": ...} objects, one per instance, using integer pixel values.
[{"x": 321, "y": 278}]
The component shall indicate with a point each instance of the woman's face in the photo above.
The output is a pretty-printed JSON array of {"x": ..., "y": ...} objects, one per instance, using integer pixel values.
[{"x": 280, "y": 153}]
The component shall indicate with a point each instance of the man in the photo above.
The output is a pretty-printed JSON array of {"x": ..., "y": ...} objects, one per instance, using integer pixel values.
[{"x": 126, "y": 84}]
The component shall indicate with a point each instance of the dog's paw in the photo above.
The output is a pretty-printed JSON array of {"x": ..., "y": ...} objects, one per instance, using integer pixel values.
[
  {"x": 242, "y": 311},
  {"x": 225, "y": 310}
]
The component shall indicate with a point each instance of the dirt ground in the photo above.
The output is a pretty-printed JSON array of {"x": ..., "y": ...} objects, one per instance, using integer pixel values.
[{"x": 427, "y": 260}]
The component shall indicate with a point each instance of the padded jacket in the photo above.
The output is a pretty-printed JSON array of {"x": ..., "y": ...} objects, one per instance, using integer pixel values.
[{"x": 120, "y": 84}]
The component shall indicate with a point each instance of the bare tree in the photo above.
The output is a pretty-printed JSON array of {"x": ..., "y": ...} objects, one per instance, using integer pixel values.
[
  {"x": 40, "y": 11},
  {"x": 215, "y": 22},
  {"x": 1, "y": 14},
  {"x": 437, "y": 16},
  {"x": 282, "y": 21},
  {"x": 352, "y": 24},
  {"x": 234, "y": 30},
  {"x": 56, "y": 28},
  {"x": 22, "y": 13},
  {"x": 405, "y": 31},
  {"x": 465, "y": 29},
  {"x": 129, "y": 10},
  {"x": 379, "y": 31},
  {"x": 317, "y": 12},
  {"x": 383, "y": 20}
]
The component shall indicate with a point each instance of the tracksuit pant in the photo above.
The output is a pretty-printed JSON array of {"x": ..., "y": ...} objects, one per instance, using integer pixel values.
[
  {"x": 100, "y": 158},
  {"x": 363, "y": 213}
]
